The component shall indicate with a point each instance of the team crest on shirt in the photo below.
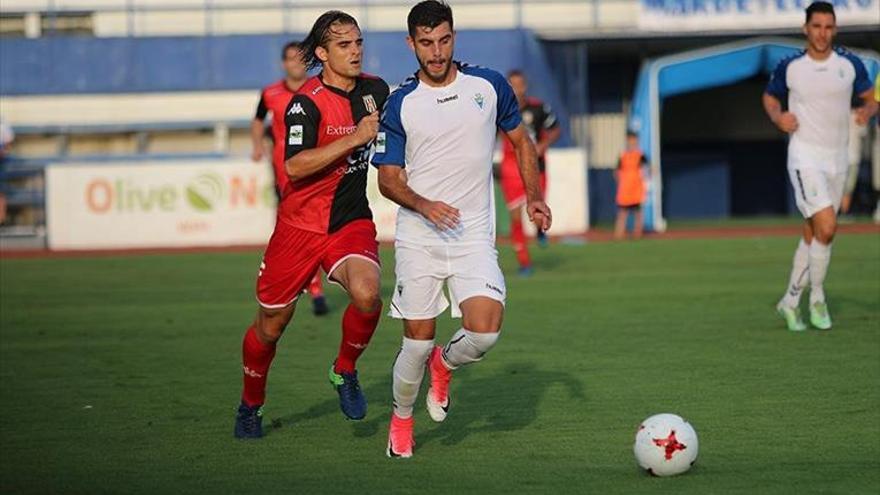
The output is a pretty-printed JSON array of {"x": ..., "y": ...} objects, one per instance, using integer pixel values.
[
  {"x": 370, "y": 103},
  {"x": 478, "y": 99}
]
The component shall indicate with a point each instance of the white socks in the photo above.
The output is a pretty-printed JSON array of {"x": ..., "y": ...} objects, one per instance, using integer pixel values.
[
  {"x": 820, "y": 255},
  {"x": 467, "y": 347},
  {"x": 409, "y": 369},
  {"x": 800, "y": 275}
]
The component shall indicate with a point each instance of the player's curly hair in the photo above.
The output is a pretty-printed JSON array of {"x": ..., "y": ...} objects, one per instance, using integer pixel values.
[
  {"x": 430, "y": 14},
  {"x": 320, "y": 34}
]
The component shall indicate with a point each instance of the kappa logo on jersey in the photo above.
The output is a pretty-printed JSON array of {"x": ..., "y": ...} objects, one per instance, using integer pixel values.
[
  {"x": 295, "y": 137},
  {"x": 478, "y": 99},
  {"x": 296, "y": 109},
  {"x": 370, "y": 103}
]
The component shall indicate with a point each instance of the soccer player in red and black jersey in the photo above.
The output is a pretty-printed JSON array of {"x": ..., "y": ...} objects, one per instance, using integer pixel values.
[
  {"x": 324, "y": 220},
  {"x": 275, "y": 98},
  {"x": 541, "y": 123}
]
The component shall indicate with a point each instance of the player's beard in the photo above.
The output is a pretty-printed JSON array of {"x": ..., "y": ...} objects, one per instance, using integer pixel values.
[{"x": 437, "y": 79}]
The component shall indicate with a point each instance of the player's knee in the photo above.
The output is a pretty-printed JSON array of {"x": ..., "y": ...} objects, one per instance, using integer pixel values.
[
  {"x": 487, "y": 322},
  {"x": 825, "y": 233},
  {"x": 365, "y": 297},
  {"x": 269, "y": 332}
]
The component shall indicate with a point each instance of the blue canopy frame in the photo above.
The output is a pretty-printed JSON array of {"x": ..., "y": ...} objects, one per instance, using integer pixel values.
[{"x": 695, "y": 70}]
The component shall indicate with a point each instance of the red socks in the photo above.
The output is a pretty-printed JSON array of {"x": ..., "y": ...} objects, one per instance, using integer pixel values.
[
  {"x": 357, "y": 329},
  {"x": 518, "y": 236},
  {"x": 256, "y": 358}
]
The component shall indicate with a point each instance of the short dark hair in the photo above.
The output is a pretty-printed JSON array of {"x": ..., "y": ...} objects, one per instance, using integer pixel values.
[
  {"x": 293, "y": 45},
  {"x": 631, "y": 133},
  {"x": 430, "y": 14},
  {"x": 320, "y": 35},
  {"x": 821, "y": 8},
  {"x": 516, "y": 73}
]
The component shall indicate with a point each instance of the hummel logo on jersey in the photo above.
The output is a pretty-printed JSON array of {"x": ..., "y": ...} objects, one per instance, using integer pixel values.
[
  {"x": 370, "y": 103},
  {"x": 478, "y": 99},
  {"x": 448, "y": 98},
  {"x": 296, "y": 109},
  {"x": 251, "y": 373}
]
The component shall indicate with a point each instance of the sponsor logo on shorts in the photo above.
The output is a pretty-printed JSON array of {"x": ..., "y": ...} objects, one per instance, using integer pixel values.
[{"x": 496, "y": 289}]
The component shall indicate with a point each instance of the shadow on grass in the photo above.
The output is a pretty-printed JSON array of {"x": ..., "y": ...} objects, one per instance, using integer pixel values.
[
  {"x": 505, "y": 401},
  {"x": 376, "y": 411}
]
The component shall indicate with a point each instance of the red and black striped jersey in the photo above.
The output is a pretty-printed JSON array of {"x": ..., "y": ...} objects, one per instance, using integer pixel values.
[
  {"x": 275, "y": 98},
  {"x": 316, "y": 116}
]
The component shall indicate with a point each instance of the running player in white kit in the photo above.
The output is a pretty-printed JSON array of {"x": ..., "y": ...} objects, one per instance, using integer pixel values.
[
  {"x": 434, "y": 154},
  {"x": 817, "y": 85}
]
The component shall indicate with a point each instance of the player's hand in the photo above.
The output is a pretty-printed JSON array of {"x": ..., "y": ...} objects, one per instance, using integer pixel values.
[
  {"x": 443, "y": 216},
  {"x": 257, "y": 154},
  {"x": 367, "y": 129},
  {"x": 863, "y": 115},
  {"x": 539, "y": 214},
  {"x": 787, "y": 122}
]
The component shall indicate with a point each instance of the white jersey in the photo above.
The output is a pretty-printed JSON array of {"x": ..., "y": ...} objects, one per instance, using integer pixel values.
[
  {"x": 445, "y": 137},
  {"x": 820, "y": 94}
]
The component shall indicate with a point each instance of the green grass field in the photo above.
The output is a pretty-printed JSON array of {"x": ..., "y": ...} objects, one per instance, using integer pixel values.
[{"x": 121, "y": 374}]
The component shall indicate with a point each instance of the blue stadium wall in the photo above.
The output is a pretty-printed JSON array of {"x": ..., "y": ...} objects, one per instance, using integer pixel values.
[{"x": 78, "y": 65}]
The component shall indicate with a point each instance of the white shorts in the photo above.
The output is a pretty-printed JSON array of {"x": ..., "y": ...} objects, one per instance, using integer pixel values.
[
  {"x": 468, "y": 271},
  {"x": 818, "y": 178}
]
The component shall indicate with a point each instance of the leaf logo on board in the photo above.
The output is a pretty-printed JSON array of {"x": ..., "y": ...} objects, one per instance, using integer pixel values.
[{"x": 204, "y": 192}]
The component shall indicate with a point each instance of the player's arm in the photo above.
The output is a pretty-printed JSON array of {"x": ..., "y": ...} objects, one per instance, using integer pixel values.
[
  {"x": 774, "y": 94},
  {"x": 527, "y": 161},
  {"x": 257, "y": 129},
  {"x": 303, "y": 157},
  {"x": 785, "y": 121},
  {"x": 392, "y": 185},
  {"x": 868, "y": 109}
]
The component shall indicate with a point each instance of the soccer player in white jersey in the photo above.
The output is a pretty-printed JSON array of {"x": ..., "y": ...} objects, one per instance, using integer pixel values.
[
  {"x": 817, "y": 85},
  {"x": 434, "y": 155}
]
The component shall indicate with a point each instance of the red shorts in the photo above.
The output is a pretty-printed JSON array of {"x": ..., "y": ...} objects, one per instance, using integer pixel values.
[
  {"x": 294, "y": 255},
  {"x": 515, "y": 192}
]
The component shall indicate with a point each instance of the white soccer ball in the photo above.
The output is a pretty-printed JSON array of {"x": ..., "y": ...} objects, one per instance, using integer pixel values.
[{"x": 666, "y": 445}]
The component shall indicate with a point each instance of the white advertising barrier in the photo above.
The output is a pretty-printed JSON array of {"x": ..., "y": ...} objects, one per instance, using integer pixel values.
[
  {"x": 566, "y": 195},
  {"x": 159, "y": 204},
  {"x": 741, "y": 15}
]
